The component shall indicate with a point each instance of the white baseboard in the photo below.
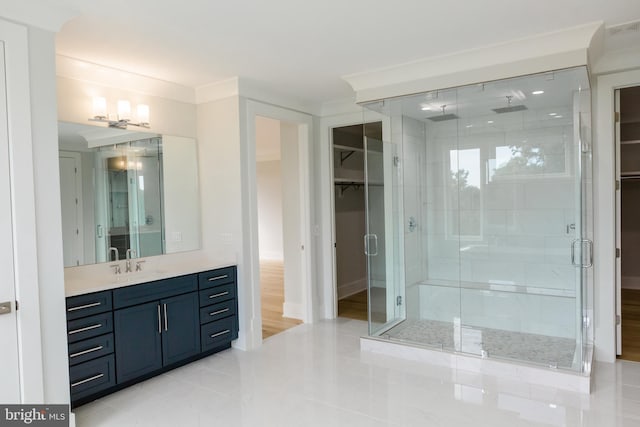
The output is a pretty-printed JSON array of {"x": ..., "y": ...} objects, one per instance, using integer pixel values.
[
  {"x": 292, "y": 310},
  {"x": 348, "y": 289},
  {"x": 630, "y": 282},
  {"x": 72, "y": 419}
]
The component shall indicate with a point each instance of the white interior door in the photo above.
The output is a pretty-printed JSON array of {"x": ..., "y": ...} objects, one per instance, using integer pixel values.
[
  {"x": 10, "y": 382},
  {"x": 71, "y": 201}
]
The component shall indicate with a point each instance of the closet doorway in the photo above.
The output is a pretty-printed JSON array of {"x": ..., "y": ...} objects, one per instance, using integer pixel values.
[
  {"x": 628, "y": 225},
  {"x": 278, "y": 223},
  {"x": 350, "y": 217}
]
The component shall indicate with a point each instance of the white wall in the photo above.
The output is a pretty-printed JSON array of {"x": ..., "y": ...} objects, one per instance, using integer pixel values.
[
  {"x": 181, "y": 193},
  {"x": 269, "y": 186},
  {"x": 167, "y": 116},
  {"x": 269, "y": 181}
]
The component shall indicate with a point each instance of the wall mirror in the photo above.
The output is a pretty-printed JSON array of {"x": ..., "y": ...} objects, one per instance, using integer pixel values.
[{"x": 126, "y": 194}]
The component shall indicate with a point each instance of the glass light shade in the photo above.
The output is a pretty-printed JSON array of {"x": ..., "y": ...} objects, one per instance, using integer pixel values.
[
  {"x": 143, "y": 113},
  {"x": 124, "y": 110},
  {"x": 99, "y": 106}
]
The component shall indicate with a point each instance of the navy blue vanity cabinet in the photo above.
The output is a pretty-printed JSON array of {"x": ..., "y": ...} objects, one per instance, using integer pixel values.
[
  {"x": 90, "y": 344},
  {"x": 126, "y": 335},
  {"x": 218, "y": 308},
  {"x": 160, "y": 330}
]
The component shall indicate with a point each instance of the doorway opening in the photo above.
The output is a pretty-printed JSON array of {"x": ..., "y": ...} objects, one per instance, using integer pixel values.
[
  {"x": 628, "y": 228},
  {"x": 279, "y": 227},
  {"x": 350, "y": 217}
]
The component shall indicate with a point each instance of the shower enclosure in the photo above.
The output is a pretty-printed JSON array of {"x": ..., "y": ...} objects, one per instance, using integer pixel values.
[{"x": 479, "y": 220}]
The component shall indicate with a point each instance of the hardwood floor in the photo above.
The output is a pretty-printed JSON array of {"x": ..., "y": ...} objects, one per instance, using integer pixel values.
[
  {"x": 354, "y": 306},
  {"x": 272, "y": 298},
  {"x": 630, "y": 325}
]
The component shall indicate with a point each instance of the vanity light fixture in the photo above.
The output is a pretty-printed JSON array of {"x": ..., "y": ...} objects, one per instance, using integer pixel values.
[
  {"x": 537, "y": 92},
  {"x": 123, "y": 118}
]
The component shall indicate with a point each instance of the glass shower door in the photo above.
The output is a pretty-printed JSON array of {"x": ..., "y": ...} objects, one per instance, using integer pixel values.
[{"x": 384, "y": 292}]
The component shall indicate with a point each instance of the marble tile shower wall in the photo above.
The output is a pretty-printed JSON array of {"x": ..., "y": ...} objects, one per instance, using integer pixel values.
[{"x": 521, "y": 231}]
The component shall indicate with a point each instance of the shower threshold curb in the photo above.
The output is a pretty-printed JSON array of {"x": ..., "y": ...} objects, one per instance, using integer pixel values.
[{"x": 549, "y": 377}]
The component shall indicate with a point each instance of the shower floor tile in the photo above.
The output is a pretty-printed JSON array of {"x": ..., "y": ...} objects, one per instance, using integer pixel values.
[{"x": 527, "y": 347}]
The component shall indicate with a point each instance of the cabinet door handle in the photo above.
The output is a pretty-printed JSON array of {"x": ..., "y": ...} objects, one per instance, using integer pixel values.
[
  {"x": 211, "y": 279},
  {"x": 221, "y": 294},
  {"x": 95, "y": 377},
  {"x": 166, "y": 322},
  {"x": 220, "y": 333},
  {"x": 91, "y": 350},
  {"x": 218, "y": 312},
  {"x": 88, "y": 328},
  {"x": 80, "y": 307},
  {"x": 159, "y": 321}
]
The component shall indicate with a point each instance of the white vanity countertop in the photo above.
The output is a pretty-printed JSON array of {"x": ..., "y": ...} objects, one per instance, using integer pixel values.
[{"x": 101, "y": 277}]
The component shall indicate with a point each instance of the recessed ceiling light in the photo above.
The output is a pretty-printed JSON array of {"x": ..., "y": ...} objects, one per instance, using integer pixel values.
[
  {"x": 537, "y": 92},
  {"x": 553, "y": 114},
  {"x": 558, "y": 117},
  {"x": 425, "y": 108},
  {"x": 490, "y": 121},
  {"x": 469, "y": 126}
]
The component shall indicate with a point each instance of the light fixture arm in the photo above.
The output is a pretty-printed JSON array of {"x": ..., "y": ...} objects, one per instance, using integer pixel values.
[{"x": 119, "y": 124}]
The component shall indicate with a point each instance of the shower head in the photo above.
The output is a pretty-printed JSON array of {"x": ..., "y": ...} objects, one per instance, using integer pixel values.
[
  {"x": 509, "y": 108},
  {"x": 443, "y": 117}
]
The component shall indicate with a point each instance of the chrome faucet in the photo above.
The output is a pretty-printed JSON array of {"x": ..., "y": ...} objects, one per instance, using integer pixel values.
[
  {"x": 129, "y": 254},
  {"x": 112, "y": 249}
]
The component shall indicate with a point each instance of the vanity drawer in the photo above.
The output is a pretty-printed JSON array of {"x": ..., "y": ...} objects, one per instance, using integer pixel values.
[
  {"x": 89, "y": 349},
  {"x": 86, "y": 305},
  {"x": 91, "y": 377},
  {"x": 217, "y": 294},
  {"x": 218, "y": 333},
  {"x": 89, "y": 327},
  {"x": 152, "y": 291},
  {"x": 217, "y": 311},
  {"x": 218, "y": 277}
]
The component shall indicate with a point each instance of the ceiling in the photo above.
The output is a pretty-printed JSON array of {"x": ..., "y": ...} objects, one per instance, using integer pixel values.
[{"x": 301, "y": 49}]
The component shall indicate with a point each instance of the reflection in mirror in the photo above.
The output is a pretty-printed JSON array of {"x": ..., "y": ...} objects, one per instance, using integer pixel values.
[{"x": 126, "y": 194}]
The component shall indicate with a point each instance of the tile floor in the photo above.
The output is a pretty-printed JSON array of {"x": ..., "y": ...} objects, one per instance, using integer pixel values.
[{"x": 315, "y": 375}]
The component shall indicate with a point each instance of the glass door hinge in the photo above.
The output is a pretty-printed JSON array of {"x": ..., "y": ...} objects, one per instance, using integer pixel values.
[
  {"x": 617, "y": 185},
  {"x": 399, "y": 300},
  {"x": 617, "y": 252},
  {"x": 618, "y": 320}
]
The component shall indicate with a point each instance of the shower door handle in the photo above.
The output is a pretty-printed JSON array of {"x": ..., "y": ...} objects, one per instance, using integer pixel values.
[
  {"x": 367, "y": 247},
  {"x": 589, "y": 245}
]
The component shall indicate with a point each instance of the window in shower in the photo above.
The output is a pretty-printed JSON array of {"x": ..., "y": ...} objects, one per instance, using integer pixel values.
[{"x": 464, "y": 194}]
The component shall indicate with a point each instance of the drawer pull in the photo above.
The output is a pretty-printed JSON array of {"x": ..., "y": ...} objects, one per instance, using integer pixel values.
[
  {"x": 88, "y": 328},
  {"x": 80, "y": 307},
  {"x": 218, "y": 312},
  {"x": 224, "y": 276},
  {"x": 220, "y": 333},
  {"x": 91, "y": 350},
  {"x": 221, "y": 294},
  {"x": 95, "y": 377}
]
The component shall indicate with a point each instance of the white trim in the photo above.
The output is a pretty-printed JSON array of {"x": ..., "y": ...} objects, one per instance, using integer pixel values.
[
  {"x": 604, "y": 213},
  {"x": 543, "y": 52},
  {"x": 217, "y": 91},
  {"x": 84, "y": 71},
  {"x": 326, "y": 208},
  {"x": 293, "y": 310},
  {"x": 251, "y": 109},
  {"x": 38, "y": 13},
  {"x": 23, "y": 210}
]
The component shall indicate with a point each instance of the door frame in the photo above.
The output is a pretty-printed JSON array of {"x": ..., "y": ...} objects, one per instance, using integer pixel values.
[
  {"x": 330, "y": 294},
  {"x": 304, "y": 122},
  {"x": 79, "y": 201},
  {"x": 21, "y": 172},
  {"x": 606, "y": 300}
]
